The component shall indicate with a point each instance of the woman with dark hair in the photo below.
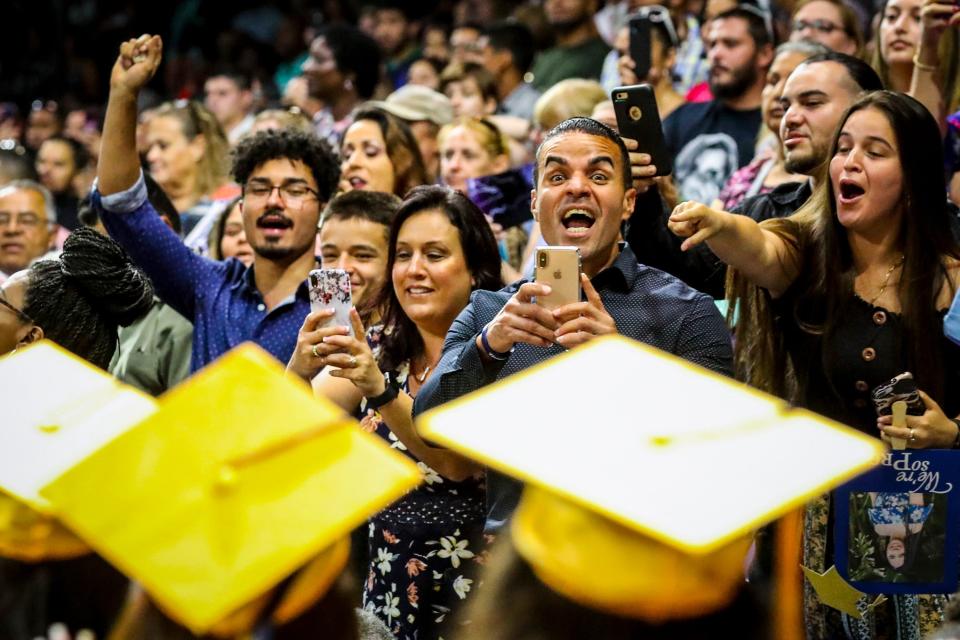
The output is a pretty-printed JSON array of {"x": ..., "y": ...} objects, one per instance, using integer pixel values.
[
  {"x": 424, "y": 548},
  {"x": 379, "y": 153},
  {"x": 342, "y": 71},
  {"x": 849, "y": 292},
  {"x": 228, "y": 238},
  {"x": 79, "y": 301}
]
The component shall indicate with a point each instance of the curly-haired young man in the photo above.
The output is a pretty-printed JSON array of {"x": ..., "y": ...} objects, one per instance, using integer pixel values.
[{"x": 287, "y": 178}]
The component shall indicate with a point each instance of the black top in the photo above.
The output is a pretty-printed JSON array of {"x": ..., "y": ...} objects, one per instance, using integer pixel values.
[{"x": 866, "y": 350}]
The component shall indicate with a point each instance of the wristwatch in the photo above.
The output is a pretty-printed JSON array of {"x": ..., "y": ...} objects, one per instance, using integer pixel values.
[{"x": 390, "y": 393}]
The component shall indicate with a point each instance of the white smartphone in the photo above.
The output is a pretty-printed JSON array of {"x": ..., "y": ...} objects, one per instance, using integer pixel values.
[{"x": 330, "y": 289}]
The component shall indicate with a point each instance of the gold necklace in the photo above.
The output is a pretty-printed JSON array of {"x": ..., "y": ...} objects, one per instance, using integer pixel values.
[{"x": 886, "y": 279}]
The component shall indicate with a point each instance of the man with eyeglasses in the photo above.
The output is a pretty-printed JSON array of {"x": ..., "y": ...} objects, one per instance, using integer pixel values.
[
  {"x": 28, "y": 219},
  {"x": 287, "y": 178},
  {"x": 829, "y": 22}
]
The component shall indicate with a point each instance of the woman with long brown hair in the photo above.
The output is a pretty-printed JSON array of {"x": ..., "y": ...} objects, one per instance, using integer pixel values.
[
  {"x": 379, "y": 153},
  {"x": 849, "y": 292}
]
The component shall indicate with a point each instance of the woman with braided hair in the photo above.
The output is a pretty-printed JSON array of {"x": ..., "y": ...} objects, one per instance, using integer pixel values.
[{"x": 79, "y": 301}]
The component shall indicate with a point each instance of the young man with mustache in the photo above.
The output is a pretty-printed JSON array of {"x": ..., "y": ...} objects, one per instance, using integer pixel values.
[{"x": 286, "y": 178}]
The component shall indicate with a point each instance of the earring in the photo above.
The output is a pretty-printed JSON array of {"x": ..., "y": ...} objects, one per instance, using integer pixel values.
[{"x": 348, "y": 85}]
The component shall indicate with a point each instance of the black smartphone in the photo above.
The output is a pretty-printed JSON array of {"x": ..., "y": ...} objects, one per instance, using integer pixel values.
[
  {"x": 640, "y": 45},
  {"x": 638, "y": 118}
]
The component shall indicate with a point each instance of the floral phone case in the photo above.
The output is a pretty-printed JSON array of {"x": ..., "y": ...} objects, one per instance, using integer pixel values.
[{"x": 330, "y": 289}]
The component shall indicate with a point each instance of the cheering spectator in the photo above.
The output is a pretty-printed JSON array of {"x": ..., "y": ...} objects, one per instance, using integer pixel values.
[
  {"x": 848, "y": 293},
  {"x": 286, "y": 176}
]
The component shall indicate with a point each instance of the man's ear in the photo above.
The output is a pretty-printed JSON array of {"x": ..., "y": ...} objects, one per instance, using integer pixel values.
[
  {"x": 629, "y": 200},
  {"x": 765, "y": 56},
  {"x": 533, "y": 205},
  {"x": 33, "y": 334}
]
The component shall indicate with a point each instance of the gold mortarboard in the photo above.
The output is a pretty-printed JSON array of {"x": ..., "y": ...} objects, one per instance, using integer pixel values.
[
  {"x": 58, "y": 409},
  {"x": 239, "y": 478},
  {"x": 638, "y": 453}
]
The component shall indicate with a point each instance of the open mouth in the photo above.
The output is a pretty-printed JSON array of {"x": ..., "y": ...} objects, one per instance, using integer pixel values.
[
  {"x": 850, "y": 191},
  {"x": 577, "y": 221},
  {"x": 357, "y": 183},
  {"x": 274, "y": 223}
]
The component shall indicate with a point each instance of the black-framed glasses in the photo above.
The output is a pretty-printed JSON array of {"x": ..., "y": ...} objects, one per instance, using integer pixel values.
[
  {"x": 17, "y": 312},
  {"x": 821, "y": 26},
  {"x": 293, "y": 194}
]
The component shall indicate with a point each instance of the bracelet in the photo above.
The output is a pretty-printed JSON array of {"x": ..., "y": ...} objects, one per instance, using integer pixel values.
[
  {"x": 494, "y": 355},
  {"x": 922, "y": 66},
  {"x": 389, "y": 394},
  {"x": 956, "y": 441}
]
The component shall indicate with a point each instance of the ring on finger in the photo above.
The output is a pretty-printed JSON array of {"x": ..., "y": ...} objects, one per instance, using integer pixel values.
[
  {"x": 314, "y": 351},
  {"x": 912, "y": 436},
  {"x": 353, "y": 361}
]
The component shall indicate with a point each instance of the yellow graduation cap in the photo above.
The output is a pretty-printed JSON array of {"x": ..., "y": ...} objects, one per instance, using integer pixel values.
[
  {"x": 239, "y": 478},
  {"x": 646, "y": 475},
  {"x": 59, "y": 408}
]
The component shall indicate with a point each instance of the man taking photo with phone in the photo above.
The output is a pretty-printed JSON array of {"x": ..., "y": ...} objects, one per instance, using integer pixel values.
[{"x": 582, "y": 194}]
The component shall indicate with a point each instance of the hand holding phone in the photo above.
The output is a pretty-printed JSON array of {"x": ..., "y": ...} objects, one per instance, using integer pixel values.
[
  {"x": 330, "y": 289},
  {"x": 638, "y": 118}
]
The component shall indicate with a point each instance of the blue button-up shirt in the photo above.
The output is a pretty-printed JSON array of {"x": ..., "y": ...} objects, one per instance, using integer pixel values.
[{"x": 220, "y": 298}]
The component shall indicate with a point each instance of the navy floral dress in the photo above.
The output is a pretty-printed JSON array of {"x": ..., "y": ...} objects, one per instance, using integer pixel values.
[{"x": 426, "y": 549}]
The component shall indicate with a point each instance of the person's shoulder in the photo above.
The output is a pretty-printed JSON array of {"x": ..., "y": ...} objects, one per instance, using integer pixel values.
[
  {"x": 666, "y": 288},
  {"x": 782, "y": 200}
]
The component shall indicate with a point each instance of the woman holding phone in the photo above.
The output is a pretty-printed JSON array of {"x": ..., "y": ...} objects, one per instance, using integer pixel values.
[
  {"x": 849, "y": 292},
  {"x": 424, "y": 548}
]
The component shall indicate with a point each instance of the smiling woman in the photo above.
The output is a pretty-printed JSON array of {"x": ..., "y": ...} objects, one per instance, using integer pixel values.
[{"x": 423, "y": 548}]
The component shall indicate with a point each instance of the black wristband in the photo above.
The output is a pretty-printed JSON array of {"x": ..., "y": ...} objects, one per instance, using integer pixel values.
[
  {"x": 389, "y": 394},
  {"x": 493, "y": 355}
]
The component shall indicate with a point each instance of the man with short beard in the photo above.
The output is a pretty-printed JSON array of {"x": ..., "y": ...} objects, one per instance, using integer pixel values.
[
  {"x": 814, "y": 98},
  {"x": 711, "y": 140},
  {"x": 287, "y": 178},
  {"x": 579, "y": 50}
]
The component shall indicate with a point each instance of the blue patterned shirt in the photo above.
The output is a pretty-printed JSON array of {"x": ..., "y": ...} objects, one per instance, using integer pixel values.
[
  {"x": 220, "y": 298},
  {"x": 647, "y": 305}
]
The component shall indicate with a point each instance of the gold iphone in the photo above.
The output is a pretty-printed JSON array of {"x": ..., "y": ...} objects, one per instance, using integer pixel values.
[{"x": 558, "y": 267}]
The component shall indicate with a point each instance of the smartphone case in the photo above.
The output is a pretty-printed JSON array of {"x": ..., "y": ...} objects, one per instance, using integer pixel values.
[
  {"x": 330, "y": 289},
  {"x": 902, "y": 387},
  {"x": 640, "y": 45},
  {"x": 638, "y": 118},
  {"x": 558, "y": 267}
]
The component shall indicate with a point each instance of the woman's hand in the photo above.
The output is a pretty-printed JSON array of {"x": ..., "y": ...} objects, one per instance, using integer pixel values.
[
  {"x": 696, "y": 222},
  {"x": 354, "y": 360},
  {"x": 311, "y": 353},
  {"x": 932, "y": 430},
  {"x": 936, "y": 17}
]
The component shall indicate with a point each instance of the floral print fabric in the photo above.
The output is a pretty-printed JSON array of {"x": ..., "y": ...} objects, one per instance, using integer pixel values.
[{"x": 426, "y": 549}]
